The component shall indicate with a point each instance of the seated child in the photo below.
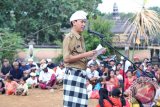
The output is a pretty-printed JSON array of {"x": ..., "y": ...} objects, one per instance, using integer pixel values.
[
  {"x": 106, "y": 101},
  {"x": 32, "y": 82},
  {"x": 2, "y": 86},
  {"x": 22, "y": 88},
  {"x": 11, "y": 85}
]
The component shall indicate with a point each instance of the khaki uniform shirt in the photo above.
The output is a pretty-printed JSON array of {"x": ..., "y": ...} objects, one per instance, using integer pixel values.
[{"x": 73, "y": 44}]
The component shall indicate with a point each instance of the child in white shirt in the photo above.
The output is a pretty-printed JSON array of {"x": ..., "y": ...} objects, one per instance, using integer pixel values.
[
  {"x": 32, "y": 82},
  {"x": 22, "y": 88}
]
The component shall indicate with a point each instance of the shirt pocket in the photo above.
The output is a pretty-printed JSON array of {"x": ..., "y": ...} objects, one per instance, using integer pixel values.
[{"x": 78, "y": 48}]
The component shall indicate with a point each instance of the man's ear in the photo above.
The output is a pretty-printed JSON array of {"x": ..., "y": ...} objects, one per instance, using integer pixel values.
[{"x": 73, "y": 22}]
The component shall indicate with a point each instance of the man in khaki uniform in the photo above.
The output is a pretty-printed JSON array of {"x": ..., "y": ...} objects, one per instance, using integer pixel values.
[{"x": 75, "y": 60}]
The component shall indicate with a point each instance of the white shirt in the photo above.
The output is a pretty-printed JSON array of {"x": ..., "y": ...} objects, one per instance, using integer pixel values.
[
  {"x": 89, "y": 90},
  {"x": 91, "y": 74},
  {"x": 31, "y": 81},
  {"x": 60, "y": 72},
  {"x": 127, "y": 64},
  {"x": 119, "y": 76},
  {"x": 25, "y": 87},
  {"x": 157, "y": 96},
  {"x": 91, "y": 61},
  {"x": 45, "y": 76},
  {"x": 114, "y": 67}
]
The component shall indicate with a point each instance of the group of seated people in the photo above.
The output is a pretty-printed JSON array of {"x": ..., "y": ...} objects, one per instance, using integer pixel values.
[
  {"x": 18, "y": 77},
  {"x": 104, "y": 78},
  {"x": 108, "y": 76}
]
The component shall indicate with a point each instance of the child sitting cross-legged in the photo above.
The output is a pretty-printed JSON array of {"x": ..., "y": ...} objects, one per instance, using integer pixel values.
[
  {"x": 22, "y": 88},
  {"x": 32, "y": 82}
]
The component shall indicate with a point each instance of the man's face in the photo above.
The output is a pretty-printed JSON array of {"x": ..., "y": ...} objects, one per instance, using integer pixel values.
[{"x": 79, "y": 25}]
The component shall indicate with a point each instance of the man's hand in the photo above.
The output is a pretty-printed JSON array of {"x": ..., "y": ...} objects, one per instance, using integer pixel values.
[
  {"x": 91, "y": 53},
  {"x": 104, "y": 51}
]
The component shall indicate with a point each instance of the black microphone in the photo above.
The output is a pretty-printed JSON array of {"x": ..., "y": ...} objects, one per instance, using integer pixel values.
[{"x": 95, "y": 33}]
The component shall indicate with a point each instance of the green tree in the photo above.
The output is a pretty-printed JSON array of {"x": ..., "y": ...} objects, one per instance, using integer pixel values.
[
  {"x": 41, "y": 20},
  {"x": 102, "y": 26},
  {"x": 9, "y": 44},
  {"x": 157, "y": 9}
]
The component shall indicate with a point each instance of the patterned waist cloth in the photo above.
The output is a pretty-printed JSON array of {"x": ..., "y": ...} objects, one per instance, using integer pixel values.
[{"x": 75, "y": 92}]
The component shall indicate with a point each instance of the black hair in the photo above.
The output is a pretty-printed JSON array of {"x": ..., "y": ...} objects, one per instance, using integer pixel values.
[
  {"x": 116, "y": 92},
  {"x": 129, "y": 70},
  {"x": 103, "y": 93},
  {"x": 99, "y": 80},
  {"x": 24, "y": 78},
  {"x": 72, "y": 23},
  {"x": 10, "y": 77}
]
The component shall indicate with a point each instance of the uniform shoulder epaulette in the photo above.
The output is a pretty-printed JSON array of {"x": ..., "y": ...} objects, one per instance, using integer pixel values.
[{"x": 70, "y": 35}]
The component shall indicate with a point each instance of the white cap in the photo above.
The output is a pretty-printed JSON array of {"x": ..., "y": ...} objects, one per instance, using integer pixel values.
[
  {"x": 49, "y": 60},
  {"x": 78, "y": 15},
  {"x": 43, "y": 66},
  {"x": 32, "y": 74},
  {"x": 30, "y": 59}
]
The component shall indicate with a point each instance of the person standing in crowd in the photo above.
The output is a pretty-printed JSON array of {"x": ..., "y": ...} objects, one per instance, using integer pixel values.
[{"x": 75, "y": 60}]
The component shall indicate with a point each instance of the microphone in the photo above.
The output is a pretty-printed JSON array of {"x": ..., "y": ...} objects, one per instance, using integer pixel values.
[{"x": 95, "y": 33}]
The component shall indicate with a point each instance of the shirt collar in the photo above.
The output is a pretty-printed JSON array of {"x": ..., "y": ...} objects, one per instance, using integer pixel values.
[{"x": 78, "y": 36}]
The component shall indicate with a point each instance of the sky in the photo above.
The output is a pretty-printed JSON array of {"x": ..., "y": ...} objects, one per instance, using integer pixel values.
[{"x": 126, "y": 5}]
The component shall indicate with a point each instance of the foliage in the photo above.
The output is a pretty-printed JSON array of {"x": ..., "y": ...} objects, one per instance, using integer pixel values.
[
  {"x": 9, "y": 43},
  {"x": 41, "y": 20},
  {"x": 102, "y": 26},
  {"x": 157, "y": 9},
  {"x": 58, "y": 59}
]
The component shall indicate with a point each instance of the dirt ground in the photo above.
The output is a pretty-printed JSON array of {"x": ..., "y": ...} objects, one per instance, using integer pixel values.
[{"x": 37, "y": 98}]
